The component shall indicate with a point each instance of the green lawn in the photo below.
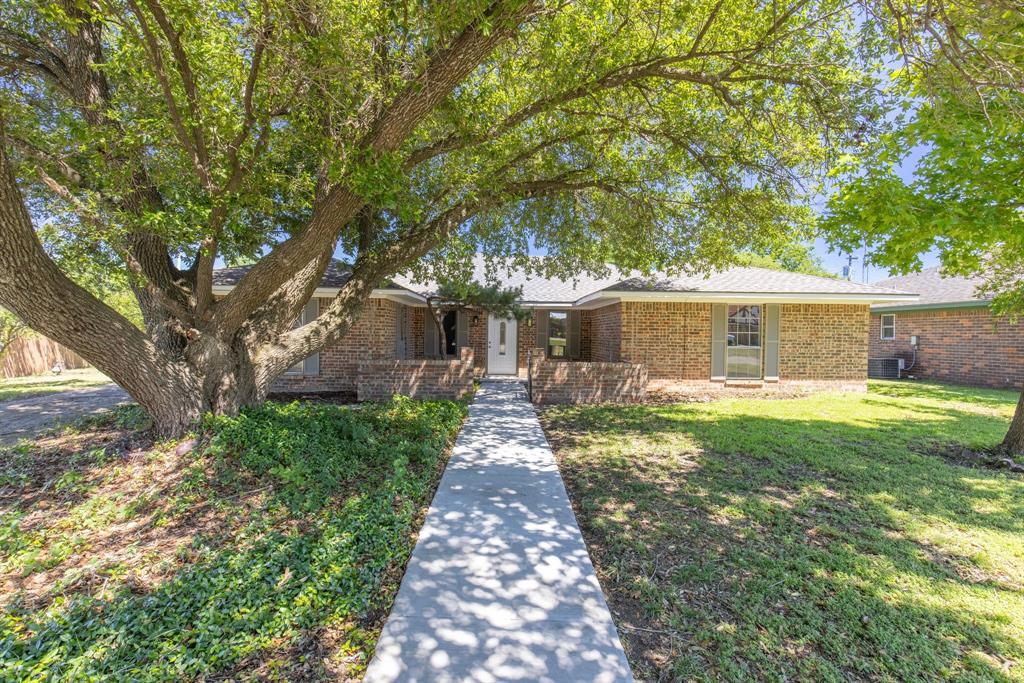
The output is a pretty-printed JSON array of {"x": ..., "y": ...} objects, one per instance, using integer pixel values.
[
  {"x": 39, "y": 385},
  {"x": 272, "y": 551},
  {"x": 828, "y": 538}
]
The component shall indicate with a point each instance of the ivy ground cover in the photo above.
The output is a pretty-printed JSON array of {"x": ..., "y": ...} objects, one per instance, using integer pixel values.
[{"x": 271, "y": 550}]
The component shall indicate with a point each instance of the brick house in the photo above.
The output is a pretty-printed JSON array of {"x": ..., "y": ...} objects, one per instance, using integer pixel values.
[
  {"x": 957, "y": 339},
  {"x": 601, "y": 339}
]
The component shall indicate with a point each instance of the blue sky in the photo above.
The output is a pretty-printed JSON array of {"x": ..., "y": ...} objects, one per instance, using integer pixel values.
[{"x": 834, "y": 261}]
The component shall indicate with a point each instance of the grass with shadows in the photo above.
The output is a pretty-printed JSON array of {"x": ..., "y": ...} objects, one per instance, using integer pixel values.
[
  {"x": 823, "y": 538},
  {"x": 272, "y": 551},
  {"x": 39, "y": 385}
]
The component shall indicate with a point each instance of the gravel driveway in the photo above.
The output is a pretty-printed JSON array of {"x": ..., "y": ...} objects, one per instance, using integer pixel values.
[{"x": 28, "y": 416}]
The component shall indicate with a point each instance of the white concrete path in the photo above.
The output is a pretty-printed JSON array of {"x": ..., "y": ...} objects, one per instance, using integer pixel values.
[{"x": 500, "y": 586}]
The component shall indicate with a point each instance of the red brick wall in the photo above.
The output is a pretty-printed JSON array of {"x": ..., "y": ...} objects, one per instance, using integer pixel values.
[
  {"x": 585, "y": 382},
  {"x": 821, "y": 346},
  {"x": 526, "y": 339},
  {"x": 823, "y": 342},
  {"x": 426, "y": 379},
  {"x": 371, "y": 337},
  {"x": 586, "y": 335},
  {"x": 964, "y": 346},
  {"x": 417, "y": 316},
  {"x": 606, "y": 333},
  {"x": 672, "y": 338},
  {"x": 478, "y": 340}
]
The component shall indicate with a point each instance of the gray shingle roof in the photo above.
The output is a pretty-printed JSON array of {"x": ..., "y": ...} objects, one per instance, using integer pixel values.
[
  {"x": 542, "y": 290},
  {"x": 536, "y": 289},
  {"x": 337, "y": 273},
  {"x": 933, "y": 288},
  {"x": 748, "y": 279}
]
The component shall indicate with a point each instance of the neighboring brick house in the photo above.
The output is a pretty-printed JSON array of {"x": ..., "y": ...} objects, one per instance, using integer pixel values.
[
  {"x": 958, "y": 339},
  {"x": 602, "y": 338}
]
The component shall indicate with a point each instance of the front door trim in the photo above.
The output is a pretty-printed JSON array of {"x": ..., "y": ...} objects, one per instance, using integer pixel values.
[{"x": 502, "y": 346}]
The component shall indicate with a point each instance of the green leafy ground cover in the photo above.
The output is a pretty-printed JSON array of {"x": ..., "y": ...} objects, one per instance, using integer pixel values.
[
  {"x": 272, "y": 551},
  {"x": 40, "y": 385},
  {"x": 828, "y": 538}
]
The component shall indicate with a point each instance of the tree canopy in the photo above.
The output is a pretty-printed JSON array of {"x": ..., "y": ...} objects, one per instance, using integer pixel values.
[
  {"x": 405, "y": 135},
  {"x": 946, "y": 174}
]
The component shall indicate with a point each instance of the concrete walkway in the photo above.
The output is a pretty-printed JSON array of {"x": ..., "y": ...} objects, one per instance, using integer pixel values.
[
  {"x": 24, "y": 417},
  {"x": 500, "y": 586}
]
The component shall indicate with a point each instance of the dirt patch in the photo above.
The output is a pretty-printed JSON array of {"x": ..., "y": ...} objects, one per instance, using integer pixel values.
[
  {"x": 93, "y": 512},
  {"x": 994, "y": 459}
]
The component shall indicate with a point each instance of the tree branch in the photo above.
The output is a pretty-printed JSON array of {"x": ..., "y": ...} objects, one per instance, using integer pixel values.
[
  {"x": 188, "y": 140},
  {"x": 446, "y": 68},
  {"x": 188, "y": 81},
  {"x": 237, "y": 169},
  {"x": 34, "y": 288},
  {"x": 335, "y": 321},
  {"x": 30, "y": 55}
]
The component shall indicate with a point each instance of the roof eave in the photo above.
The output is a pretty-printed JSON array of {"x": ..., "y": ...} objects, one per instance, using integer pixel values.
[
  {"x": 399, "y": 294},
  {"x": 607, "y": 296},
  {"x": 934, "y": 306}
]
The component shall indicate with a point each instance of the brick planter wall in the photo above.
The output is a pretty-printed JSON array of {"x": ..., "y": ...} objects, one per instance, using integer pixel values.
[
  {"x": 449, "y": 379},
  {"x": 585, "y": 382},
  {"x": 964, "y": 346}
]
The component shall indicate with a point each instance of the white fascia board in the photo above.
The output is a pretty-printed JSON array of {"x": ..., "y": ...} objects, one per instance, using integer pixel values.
[
  {"x": 546, "y": 304},
  {"x": 605, "y": 297}
]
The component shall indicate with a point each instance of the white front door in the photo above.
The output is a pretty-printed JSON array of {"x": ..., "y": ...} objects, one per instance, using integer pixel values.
[{"x": 501, "y": 346}]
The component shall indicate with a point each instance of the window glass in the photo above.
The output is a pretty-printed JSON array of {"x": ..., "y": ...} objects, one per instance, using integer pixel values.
[
  {"x": 501, "y": 338},
  {"x": 743, "y": 357},
  {"x": 744, "y": 326},
  {"x": 889, "y": 326},
  {"x": 558, "y": 333}
]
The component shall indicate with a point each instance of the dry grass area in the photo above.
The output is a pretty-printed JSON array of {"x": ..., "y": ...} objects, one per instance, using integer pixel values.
[
  {"x": 97, "y": 509},
  {"x": 40, "y": 385}
]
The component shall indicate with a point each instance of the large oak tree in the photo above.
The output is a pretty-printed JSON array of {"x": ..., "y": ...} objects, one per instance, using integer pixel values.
[{"x": 642, "y": 132}]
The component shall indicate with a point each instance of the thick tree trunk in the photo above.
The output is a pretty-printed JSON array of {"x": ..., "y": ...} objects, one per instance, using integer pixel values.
[
  {"x": 197, "y": 357},
  {"x": 174, "y": 379},
  {"x": 1014, "y": 441},
  {"x": 218, "y": 380}
]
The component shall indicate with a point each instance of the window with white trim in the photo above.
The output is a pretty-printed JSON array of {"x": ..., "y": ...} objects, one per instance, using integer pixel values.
[
  {"x": 888, "y": 326},
  {"x": 743, "y": 342},
  {"x": 558, "y": 334}
]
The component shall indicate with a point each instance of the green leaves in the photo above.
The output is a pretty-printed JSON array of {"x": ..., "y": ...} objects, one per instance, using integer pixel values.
[
  {"x": 681, "y": 132},
  {"x": 492, "y": 298},
  {"x": 344, "y": 488},
  {"x": 945, "y": 171}
]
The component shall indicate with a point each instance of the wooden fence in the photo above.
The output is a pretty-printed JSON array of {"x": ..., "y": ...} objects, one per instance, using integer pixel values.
[{"x": 37, "y": 354}]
